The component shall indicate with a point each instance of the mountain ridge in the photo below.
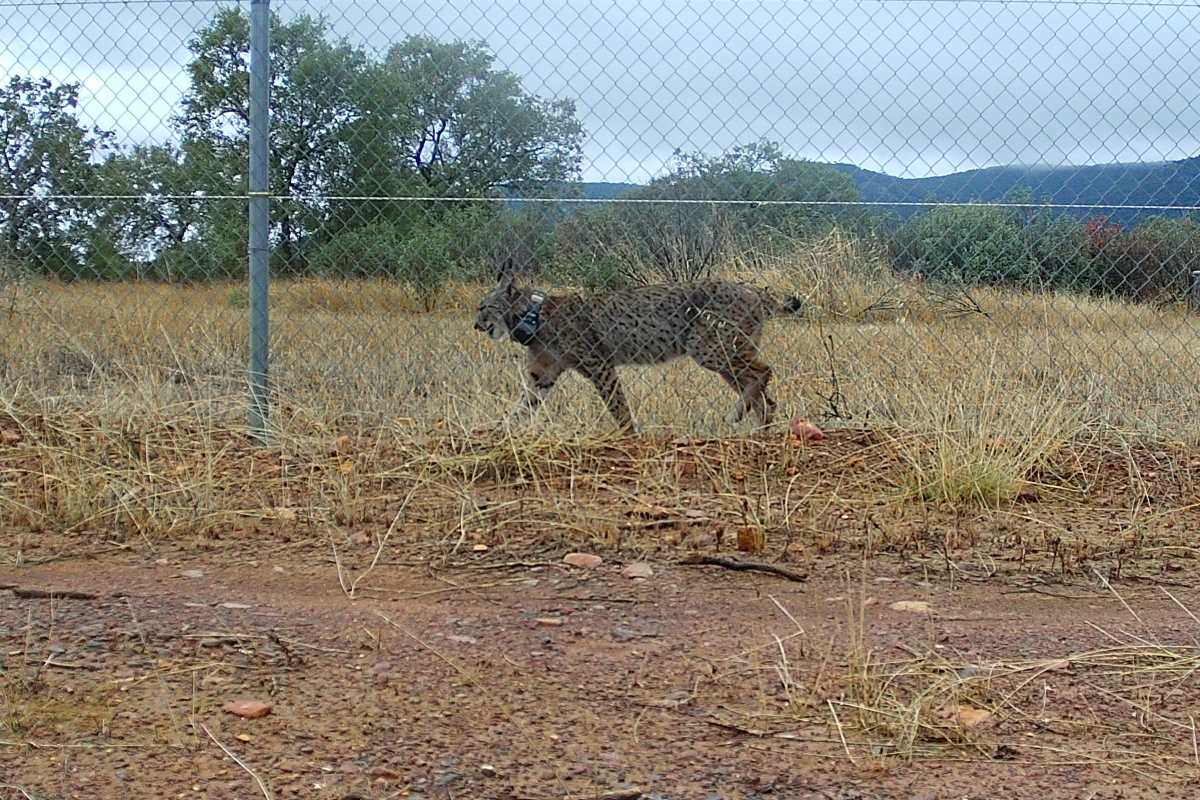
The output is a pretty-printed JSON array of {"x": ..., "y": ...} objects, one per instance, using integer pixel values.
[{"x": 1093, "y": 186}]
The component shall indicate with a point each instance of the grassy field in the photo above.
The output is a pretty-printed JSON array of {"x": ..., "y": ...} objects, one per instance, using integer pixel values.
[
  {"x": 872, "y": 351},
  {"x": 972, "y": 394}
]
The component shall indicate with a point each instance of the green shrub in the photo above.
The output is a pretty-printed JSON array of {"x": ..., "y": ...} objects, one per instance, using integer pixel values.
[
  {"x": 486, "y": 238},
  {"x": 1057, "y": 246},
  {"x": 418, "y": 257},
  {"x": 965, "y": 244},
  {"x": 685, "y": 241}
]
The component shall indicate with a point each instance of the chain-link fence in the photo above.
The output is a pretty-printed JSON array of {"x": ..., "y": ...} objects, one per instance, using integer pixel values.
[{"x": 976, "y": 211}]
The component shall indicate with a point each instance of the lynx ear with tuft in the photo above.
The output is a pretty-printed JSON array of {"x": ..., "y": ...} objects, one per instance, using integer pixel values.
[{"x": 506, "y": 276}]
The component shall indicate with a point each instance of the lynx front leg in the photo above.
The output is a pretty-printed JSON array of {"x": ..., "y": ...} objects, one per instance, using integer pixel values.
[
  {"x": 536, "y": 383},
  {"x": 605, "y": 379}
]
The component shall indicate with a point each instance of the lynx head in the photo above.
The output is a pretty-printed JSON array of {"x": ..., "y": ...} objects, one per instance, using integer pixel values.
[{"x": 497, "y": 309}]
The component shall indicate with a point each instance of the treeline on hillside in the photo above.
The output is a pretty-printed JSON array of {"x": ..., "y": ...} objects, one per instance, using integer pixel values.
[{"x": 432, "y": 120}]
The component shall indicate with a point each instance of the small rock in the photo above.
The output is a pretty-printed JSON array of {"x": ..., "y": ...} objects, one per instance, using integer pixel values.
[
  {"x": 241, "y": 737},
  {"x": 488, "y": 770},
  {"x": 638, "y": 569},
  {"x": 585, "y": 560},
  {"x": 459, "y": 639},
  {"x": 235, "y": 606},
  {"x": 912, "y": 606},
  {"x": 277, "y": 569},
  {"x": 623, "y": 634},
  {"x": 550, "y": 622},
  {"x": 805, "y": 431},
  {"x": 751, "y": 539},
  {"x": 446, "y": 780},
  {"x": 192, "y": 573},
  {"x": 479, "y": 548},
  {"x": 248, "y": 709},
  {"x": 970, "y": 717},
  {"x": 162, "y": 562}
]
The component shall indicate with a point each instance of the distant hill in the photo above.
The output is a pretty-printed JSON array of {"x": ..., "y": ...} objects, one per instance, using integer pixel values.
[
  {"x": 1164, "y": 183},
  {"x": 606, "y": 191},
  {"x": 588, "y": 190},
  {"x": 1158, "y": 184}
]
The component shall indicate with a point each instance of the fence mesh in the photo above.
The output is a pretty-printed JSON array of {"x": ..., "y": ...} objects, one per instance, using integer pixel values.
[{"x": 960, "y": 213}]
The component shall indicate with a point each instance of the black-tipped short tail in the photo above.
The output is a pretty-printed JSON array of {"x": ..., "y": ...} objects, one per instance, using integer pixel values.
[
  {"x": 776, "y": 306},
  {"x": 794, "y": 305}
]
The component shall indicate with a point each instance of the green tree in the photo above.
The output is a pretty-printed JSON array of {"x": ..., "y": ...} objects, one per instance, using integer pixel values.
[
  {"x": 684, "y": 241},
  {"x": 45, "y": 152},
  {"x": 170, "y": 210},
  {"x": 315, "y": 99},
  {"x": 439, "y": 119},
  {"x": 430, "y": 118},
  {"x": 470, "y": 129}
]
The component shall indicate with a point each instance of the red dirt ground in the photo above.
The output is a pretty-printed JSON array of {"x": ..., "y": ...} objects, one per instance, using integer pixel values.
[
  {"x": 450, "y": 687},
  {"x": 514, "y": 675}
]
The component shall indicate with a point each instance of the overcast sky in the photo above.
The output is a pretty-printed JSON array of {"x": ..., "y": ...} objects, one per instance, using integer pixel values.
[{"x": 911, "y": 89}]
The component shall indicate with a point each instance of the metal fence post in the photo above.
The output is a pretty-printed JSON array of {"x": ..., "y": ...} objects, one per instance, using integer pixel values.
[
  {"x": 1195, "y": 294},
  {"x": 260, "y": 214}
]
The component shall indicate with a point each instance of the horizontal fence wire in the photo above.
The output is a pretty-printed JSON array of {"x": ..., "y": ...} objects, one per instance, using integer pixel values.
[{"x": 616, "y": 201}]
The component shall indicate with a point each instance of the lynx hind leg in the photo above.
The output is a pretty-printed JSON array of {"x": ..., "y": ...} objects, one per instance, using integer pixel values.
[
  {"x": 735, "y": 358},
  {"x": 749, "y": 377}
]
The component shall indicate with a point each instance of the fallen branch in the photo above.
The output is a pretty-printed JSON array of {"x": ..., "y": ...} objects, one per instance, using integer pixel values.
[
  {"x": 743, "y": 566},
  {"x": 68, "y": 594}
]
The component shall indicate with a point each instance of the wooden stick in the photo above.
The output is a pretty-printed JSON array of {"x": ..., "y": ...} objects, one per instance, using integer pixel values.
[
  {"x": 68, "y": 594},
  {"x": 266, "y": 792},
  {"x": 748, "y": 566}
]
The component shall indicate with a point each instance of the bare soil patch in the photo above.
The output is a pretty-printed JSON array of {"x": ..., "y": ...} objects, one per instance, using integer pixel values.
[{"x": 404, "y": 609}]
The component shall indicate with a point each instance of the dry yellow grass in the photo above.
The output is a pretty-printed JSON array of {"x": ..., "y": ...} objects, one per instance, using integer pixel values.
[{"x": 900, "y": 352}]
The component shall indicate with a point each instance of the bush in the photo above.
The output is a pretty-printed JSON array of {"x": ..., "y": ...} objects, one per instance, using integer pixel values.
[
  {"x": 219, "y": 251},
  {"x": 486, "y": 238},
  {"x": 418, "y": 257},
  {"x": 674, "y": 242},
  {"x": 1152, "y": 261},
  {"x": 964, "y": 244},
  {"x": 627, "y": 244},
  {"x": 1057, "y": 246}
]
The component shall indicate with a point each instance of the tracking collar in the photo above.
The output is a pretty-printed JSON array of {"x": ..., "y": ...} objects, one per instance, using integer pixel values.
[{"x": 527, "y": 326}]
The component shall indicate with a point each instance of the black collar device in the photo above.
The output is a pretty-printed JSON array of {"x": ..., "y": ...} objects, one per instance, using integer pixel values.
[{"x": 527, "y": 326}]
